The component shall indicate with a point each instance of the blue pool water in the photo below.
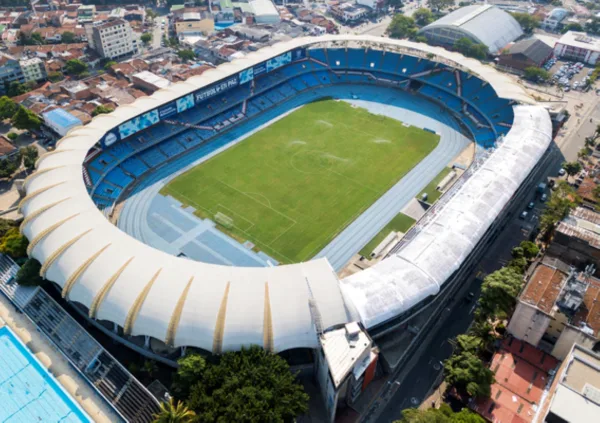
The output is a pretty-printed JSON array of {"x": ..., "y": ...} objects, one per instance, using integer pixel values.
[{"x": 28, "y": 393}]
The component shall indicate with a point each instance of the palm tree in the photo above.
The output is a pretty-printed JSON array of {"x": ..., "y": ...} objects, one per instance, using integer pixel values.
[{"x": 174, "y": 412}]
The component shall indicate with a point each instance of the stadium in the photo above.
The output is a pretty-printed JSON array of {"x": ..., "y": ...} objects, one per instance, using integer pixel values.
[{"x": 241, "y": 192}]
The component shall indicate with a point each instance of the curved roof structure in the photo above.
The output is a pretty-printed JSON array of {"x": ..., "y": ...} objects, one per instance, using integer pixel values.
[
  {"x": 485, "y": 23},
  {"x": 218, "y": 308}
]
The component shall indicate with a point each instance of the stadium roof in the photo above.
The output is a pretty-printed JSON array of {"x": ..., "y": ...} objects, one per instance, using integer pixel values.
[
  {"x": 486, "y": 23},
  {"x": 217, "y": 308}
]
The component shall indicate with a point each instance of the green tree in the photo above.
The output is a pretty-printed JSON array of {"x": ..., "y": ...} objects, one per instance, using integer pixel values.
[
  {"x": 536, "y": 74},
  {"x": 190, "y": 370},
  {"x": 16, "y": 88},
  {"x": 572, "y": 27},
  {"x": 444, "y": 414},
  {"x": 30, "y": 156},
  {"x": 101, "y": 110},
  {"x": 55, "y": 76},
  {"x": 149, "y": 367},
  {"x": 593, "y": 26},
  {"x": 484, "y": 332},
  {"x": 8, "y": 107},
  {"x": 174, "y": 412},
  {"x": 25, "y": 119},
  {"x": 12, "y": 136},
  {"x": 109, "y": 64},
  {"x": 402, "y": 27},
  {"x": 67, "y": 37},
  {"x": 151, "y": 14},
  {"x": 528, "y": 22},
  {"x": 467, "y": 373},
  {"x": 5, "y": 226},
  {"x": 186, "y": 54},
  {"x": 32, "y": 40},
  {"x": 146, "y": 37},
  {"x": 440, "y": 4},
  {"x": 9, "y": 165},
  {"x": 76, "y": 67},
  {"x": 29, "y": 273},
  {"x": 530, "y": 250},
  {"x": 251, "y": 385},
  {"x": 572, "y": 168},
  {"x": 423, "y": 16},
  {"x": 470, "y": 49},
  {"x": 14, "y": 244},
  {"x": 561, "y": 202},
  {"x": 499, "y": 292}
]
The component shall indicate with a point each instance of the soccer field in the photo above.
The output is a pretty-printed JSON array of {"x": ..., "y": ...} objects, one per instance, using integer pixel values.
[{"x": 293, "y": 186}]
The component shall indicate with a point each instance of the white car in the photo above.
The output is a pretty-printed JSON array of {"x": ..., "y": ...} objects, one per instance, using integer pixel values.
[{"x": 562, "y": 172}]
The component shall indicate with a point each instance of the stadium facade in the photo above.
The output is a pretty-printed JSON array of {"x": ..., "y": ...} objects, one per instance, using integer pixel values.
[{"x": 142, "y": 293}]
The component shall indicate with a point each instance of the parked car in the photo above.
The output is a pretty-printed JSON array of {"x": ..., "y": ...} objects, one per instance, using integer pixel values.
[
  {"x": 543, "y": 198},
  {"x": 523, "y": 215},
  {"x": 531, "y": 205}
]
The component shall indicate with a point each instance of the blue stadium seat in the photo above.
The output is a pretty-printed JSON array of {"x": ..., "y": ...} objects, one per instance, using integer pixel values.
[
  {"x": 94, "y": 176},
  {"x": 152, "y": 157},
  {"x": 452, "y": 102},
  {"x": 103, "y": 161},
  {"x": 134, "y": 166},
  {"x": 356, "y": 58},
  {"x": 318, "y": 54},
  {"x": 390, "y": 62},
  {"x": 373, "y": 59},
  {"x": 337, "y": 58},
  {"x": 442, "y": 78},
  {"x": 171, "y": 147},
  {"x": 108, "y": 191},
  {"x": 118, "y": 177},
  {"x": 121, "y": 150}
]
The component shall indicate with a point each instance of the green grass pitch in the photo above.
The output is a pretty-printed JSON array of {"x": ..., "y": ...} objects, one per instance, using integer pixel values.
[{"x": 293, "y": 186}]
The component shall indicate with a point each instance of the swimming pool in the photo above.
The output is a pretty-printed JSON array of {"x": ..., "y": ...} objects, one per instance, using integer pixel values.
[{"x": 28, "y": 393}]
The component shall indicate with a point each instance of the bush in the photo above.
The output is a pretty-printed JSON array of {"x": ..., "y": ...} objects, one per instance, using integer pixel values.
[
  {"x": 14, "y": 244},
  {"x": 12, "y": 136},
  {"x": 29, "y": 273}
]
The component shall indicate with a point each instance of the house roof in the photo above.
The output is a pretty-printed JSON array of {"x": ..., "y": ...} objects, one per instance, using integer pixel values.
[{"x": 533, "y": 49}]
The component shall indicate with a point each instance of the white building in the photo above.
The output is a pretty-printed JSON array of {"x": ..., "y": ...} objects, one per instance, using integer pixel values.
[
  {"x": 555, "y": 18},
  {"x": 578, "y": 46},
  {"x": 347, "y": 12},
  {"x": 149, "y": 81},
  {"x": 114, "y": 39},
  {"x": 264, "y": 12},
  {"x": 33, "y": 69}
]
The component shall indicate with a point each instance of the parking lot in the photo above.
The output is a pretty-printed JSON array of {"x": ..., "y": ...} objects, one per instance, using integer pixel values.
[{"x": 569, "y": 75}]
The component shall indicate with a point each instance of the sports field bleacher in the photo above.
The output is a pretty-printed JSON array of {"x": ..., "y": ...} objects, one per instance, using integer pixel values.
[{"x": 121, "y": 164}]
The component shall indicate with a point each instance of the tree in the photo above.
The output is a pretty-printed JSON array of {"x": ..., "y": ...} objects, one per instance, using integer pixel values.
[
  {"x": 30, "y": 156},
  {"x": 8, "y": 108},
  {"x": 67, "y": 37},
  {"x": 572, "y": 27},
  {"x": 584, "y": 152},
  {"x": 561, "y": 202},
  {"x": 109, "y": 64},
  {"x": 572, "y": 168},
  {"x": 151, "y": 14},
  {"x": 444, "y": 414},
  {"x": 530, "y": 250},
  {"x": 484, "y": 331},
  {"x": 14, "y": 244},
  {"x": 423, "y": 16},
  {"x": 16, "y": 88},
  {"x": 536, "y": 74},
  {"x": 528, "y": 23},
  {"x": 440, "y": 4},
  {"x": 25, "y": 119},
  {"x": 12, "y": 136},
  {"x": 5, "y": 226},
  {"x": 32, "y": 40},
  {"x": 470, "y": 49},
  {"x": 149, "y": 367},
  {"x": 186, "y": 54},
  {"x": 76, "y": 67},
  {"x": 9, "y": 165},
  {"x": 29, "y": 273},
  {"x": 190, "y": 370},
  {"x": 101, "y": 110},
  {"x": 499, "y": 292},
  {"x": 251, "y": 385},
  {"x": 146, "y": 37},
  {"x": 174, "y": 412},
  {"x": 55, "y": 76},
  {"x": 593, "y": 26},
  {"x": 402, "y": 27},
  {"x": 466, "y": 343},
  {"x": 467, "y": 373}
]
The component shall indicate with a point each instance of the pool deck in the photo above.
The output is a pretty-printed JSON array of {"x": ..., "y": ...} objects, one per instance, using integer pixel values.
[{"x": 56, "y": 363}]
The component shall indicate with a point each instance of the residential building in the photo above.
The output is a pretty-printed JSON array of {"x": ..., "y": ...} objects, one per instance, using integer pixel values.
[
  {"x": 60, "y": 121},
  {"x": 577, "y": 239},
  {"x": 194, "y": 23},
  {"x": 10, "y": 71},
  {"x": 345, "y": 365},
  {"x": 347, "y": 12},
  {"x": 526, "y": 53},
  {"x": 264, "y": 12},
  {"x": 558, "y": 307},
  {"x": 522, "y": 374},
  {"x": 114, "y": 39},
  {"x": 7, "y": 148},
  {"x": 579, "y": 47},
  {"x": 554, "y": 19},
  {"x": 575, "y": 392},
  {"x": 33, "y": 69},
  {"x": 374, "y": 5},
  {"x": 484, "y": 24},
  {"x": 148, "y": 81},
  {"x": 86, "y": 13}
]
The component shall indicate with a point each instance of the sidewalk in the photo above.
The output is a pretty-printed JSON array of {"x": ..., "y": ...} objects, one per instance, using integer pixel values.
[{"x": 56, "y": 364}]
